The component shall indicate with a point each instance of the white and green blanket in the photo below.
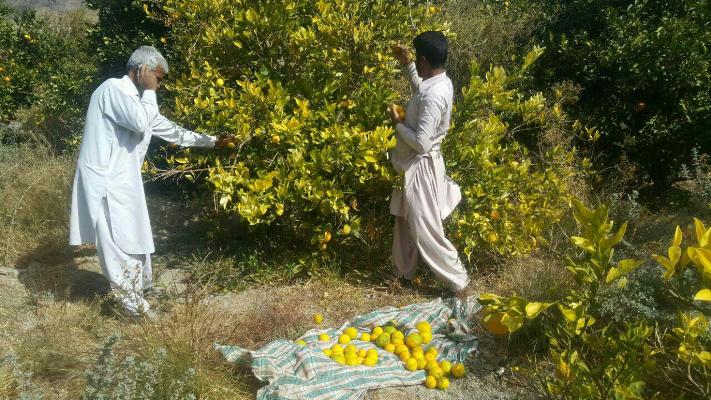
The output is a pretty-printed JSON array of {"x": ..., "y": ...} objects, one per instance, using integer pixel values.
[{"x": 293, "y": 371}]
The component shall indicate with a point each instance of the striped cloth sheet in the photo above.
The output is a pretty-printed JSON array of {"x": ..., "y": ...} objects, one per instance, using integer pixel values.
[{"x": 293, "y": 371}]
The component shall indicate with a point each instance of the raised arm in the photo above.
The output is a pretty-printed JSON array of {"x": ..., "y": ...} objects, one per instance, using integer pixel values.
[
  {"x": 171, "y": 132},
  {"x": 129, "y": 111}
]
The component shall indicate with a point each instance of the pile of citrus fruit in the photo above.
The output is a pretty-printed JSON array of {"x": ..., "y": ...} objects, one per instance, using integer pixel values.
[{"x": 408, "y": 348}]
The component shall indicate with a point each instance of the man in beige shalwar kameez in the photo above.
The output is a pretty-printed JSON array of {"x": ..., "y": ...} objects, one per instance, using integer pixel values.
[{"x": 428, "y": 195}]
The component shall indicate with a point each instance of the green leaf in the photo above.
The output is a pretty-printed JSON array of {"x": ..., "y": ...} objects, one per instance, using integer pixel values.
[
  {"x": 535, "y": 308},
  {"x": 583, "y": 243},
  {"x": 703, "y": 295},
  {"x": 608, "y": 242},
  {"x": 678, "y": 236},
  {"x": 568, "y": 313},
  {"x": 512, "y": 322},
  {"x": 581, "y": 213}
]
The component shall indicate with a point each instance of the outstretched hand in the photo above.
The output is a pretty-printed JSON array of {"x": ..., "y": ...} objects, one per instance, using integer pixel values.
[{"x": 226, "y": 141}]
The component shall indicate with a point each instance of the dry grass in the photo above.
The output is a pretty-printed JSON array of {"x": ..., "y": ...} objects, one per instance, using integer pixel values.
[
  {"x": 540, "y": 279},
  {"x": 34, "y": 203}
]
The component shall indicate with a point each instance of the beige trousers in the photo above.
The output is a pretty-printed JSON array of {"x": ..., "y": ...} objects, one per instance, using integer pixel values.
[
  {"x": 128, "y": 274},
  {"x": 419, "y": 231}
]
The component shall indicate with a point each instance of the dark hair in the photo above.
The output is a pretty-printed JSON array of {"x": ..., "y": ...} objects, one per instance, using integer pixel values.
[{"x": 433, "y": 46}]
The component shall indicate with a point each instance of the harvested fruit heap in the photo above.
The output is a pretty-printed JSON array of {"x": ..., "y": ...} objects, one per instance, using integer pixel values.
[{"x": 409, "y": 349}]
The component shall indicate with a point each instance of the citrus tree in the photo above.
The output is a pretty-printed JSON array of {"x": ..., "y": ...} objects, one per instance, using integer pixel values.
[
  {"x": 302, "y": 86},
  {"x": 511, "y": 153}
]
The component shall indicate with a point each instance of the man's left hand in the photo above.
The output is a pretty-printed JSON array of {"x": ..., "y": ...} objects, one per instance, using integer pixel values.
[{"x": 394, "y": 115}]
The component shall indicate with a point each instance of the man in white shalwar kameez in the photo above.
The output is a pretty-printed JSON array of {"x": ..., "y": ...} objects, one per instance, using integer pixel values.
[
  {"x": 427, "y": 195},
  {"x": 108, "y": 203}
]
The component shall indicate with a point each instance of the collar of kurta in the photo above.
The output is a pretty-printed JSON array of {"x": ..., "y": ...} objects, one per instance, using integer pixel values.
[
  {"x": 428, "y": 83},
  {"x": 129, "y": 85}
]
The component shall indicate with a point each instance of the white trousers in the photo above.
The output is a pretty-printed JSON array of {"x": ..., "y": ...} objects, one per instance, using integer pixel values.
[
  {"x": 129, "y": 274},
  {"x": 419, "y": 230}
]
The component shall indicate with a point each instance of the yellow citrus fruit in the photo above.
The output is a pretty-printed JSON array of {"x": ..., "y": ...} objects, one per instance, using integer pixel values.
[
  {"x": 426, "y": 337},
  {"x": 365, "y": 337},
  {"x": 404, "y": 356},
  {"x": 352, "y": 362},
  {"x": 398, "y": 340},
  {"x": 318, "y": 319},
  {"x": 446, "y": 367},
  {"x": 220, "y": 82},
  {"x": 327, "y": 237},
  {"x": 442, "y": 383},
  {"x": 362, "y": 353},
  {"x": 323, "y": 337},
  {"x": 328, "y": 352},
  {"x": 231, "y": 145},
  {"x": 344, "y": 339},
  {"x": 430, "y": 357},
  {"x": 458, "y": 370},
  {"x": 339, "y": 358},
  {"x": 397, "y": 334},
  {"x": 400, "y": 112},
  {"x": 495, "y": 215},
  {"x": 411, "y": 364},
  {"x": 423, "y": 326},
  {"x": 370, "y": 361},
  {"x": 352, "y": 332},
  {"x": 376, "y": 331},
  {"x": 432, "y": 350},
  {"x": 346, "y": 229},
  {"x": 399, "y": 348},
  {"x": 421, "y": 363},
  {"x": 276, "y": 139},
  {"x": 418, "y": 353},
  {"x": 492, "y": 237},
  {"x": 431, "y": 382},
  {"x": 383, "y": 339},
  {"x": 372, "y": 353},
  {"x": 495, "y": 326},
  {"x": 301, "y": 342},
  {"x": 436, "y": 372},
  {"x": 389, "y": 329},
  {"x": 431, "y": 364},
  {"x": 336, "y": 349},
  {"x": 350, "y": 348},
  {"x": 413, "y": 340},
  {"x": 360, "y": 360},
  {"x": 390, "y": 348}
]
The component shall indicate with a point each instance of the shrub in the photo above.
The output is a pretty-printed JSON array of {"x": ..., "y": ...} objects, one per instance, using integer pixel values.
[
  {"x": 593, "y": 357},
  {"x": 645, "y": 69},
  {"x": 511, "y": 153},
  {"x": 45, "y": 68},
  {"x": 303, "y": 86}
]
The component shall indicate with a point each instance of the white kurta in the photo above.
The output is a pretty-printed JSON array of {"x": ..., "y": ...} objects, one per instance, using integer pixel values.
[
  {"x": 119, "y": 127},
  {"x": 108, "y": 203},
  {"x": 428, "y": 195}
]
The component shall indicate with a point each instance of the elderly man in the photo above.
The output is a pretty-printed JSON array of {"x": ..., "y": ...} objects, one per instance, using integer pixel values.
[
  {"x": 108, "y": 203},
  {"x": 428, "y": 195}
]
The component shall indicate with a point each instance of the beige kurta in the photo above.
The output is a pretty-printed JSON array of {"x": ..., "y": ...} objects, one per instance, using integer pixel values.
[{"x": 428, "y": 195}]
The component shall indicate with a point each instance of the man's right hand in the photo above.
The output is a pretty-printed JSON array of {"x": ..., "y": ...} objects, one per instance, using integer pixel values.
[
  {"x": 147, "y": 78},
  {"x": 402, "y": 54}
]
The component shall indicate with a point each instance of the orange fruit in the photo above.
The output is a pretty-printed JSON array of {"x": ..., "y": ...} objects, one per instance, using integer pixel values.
[{"x": 495, "y": 326}]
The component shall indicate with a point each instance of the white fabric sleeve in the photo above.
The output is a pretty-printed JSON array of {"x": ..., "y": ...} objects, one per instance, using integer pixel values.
[
  {"x": 171, "y": 132},
  {"x": 415, "y": 79},
  {"x": 129, "y": 111},
  {"x": 421, "y": 138}
]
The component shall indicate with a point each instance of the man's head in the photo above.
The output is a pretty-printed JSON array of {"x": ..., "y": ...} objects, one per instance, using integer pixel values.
[
  {"x": 430, "y": 52},
  {"x": 151, "y": 58}
]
